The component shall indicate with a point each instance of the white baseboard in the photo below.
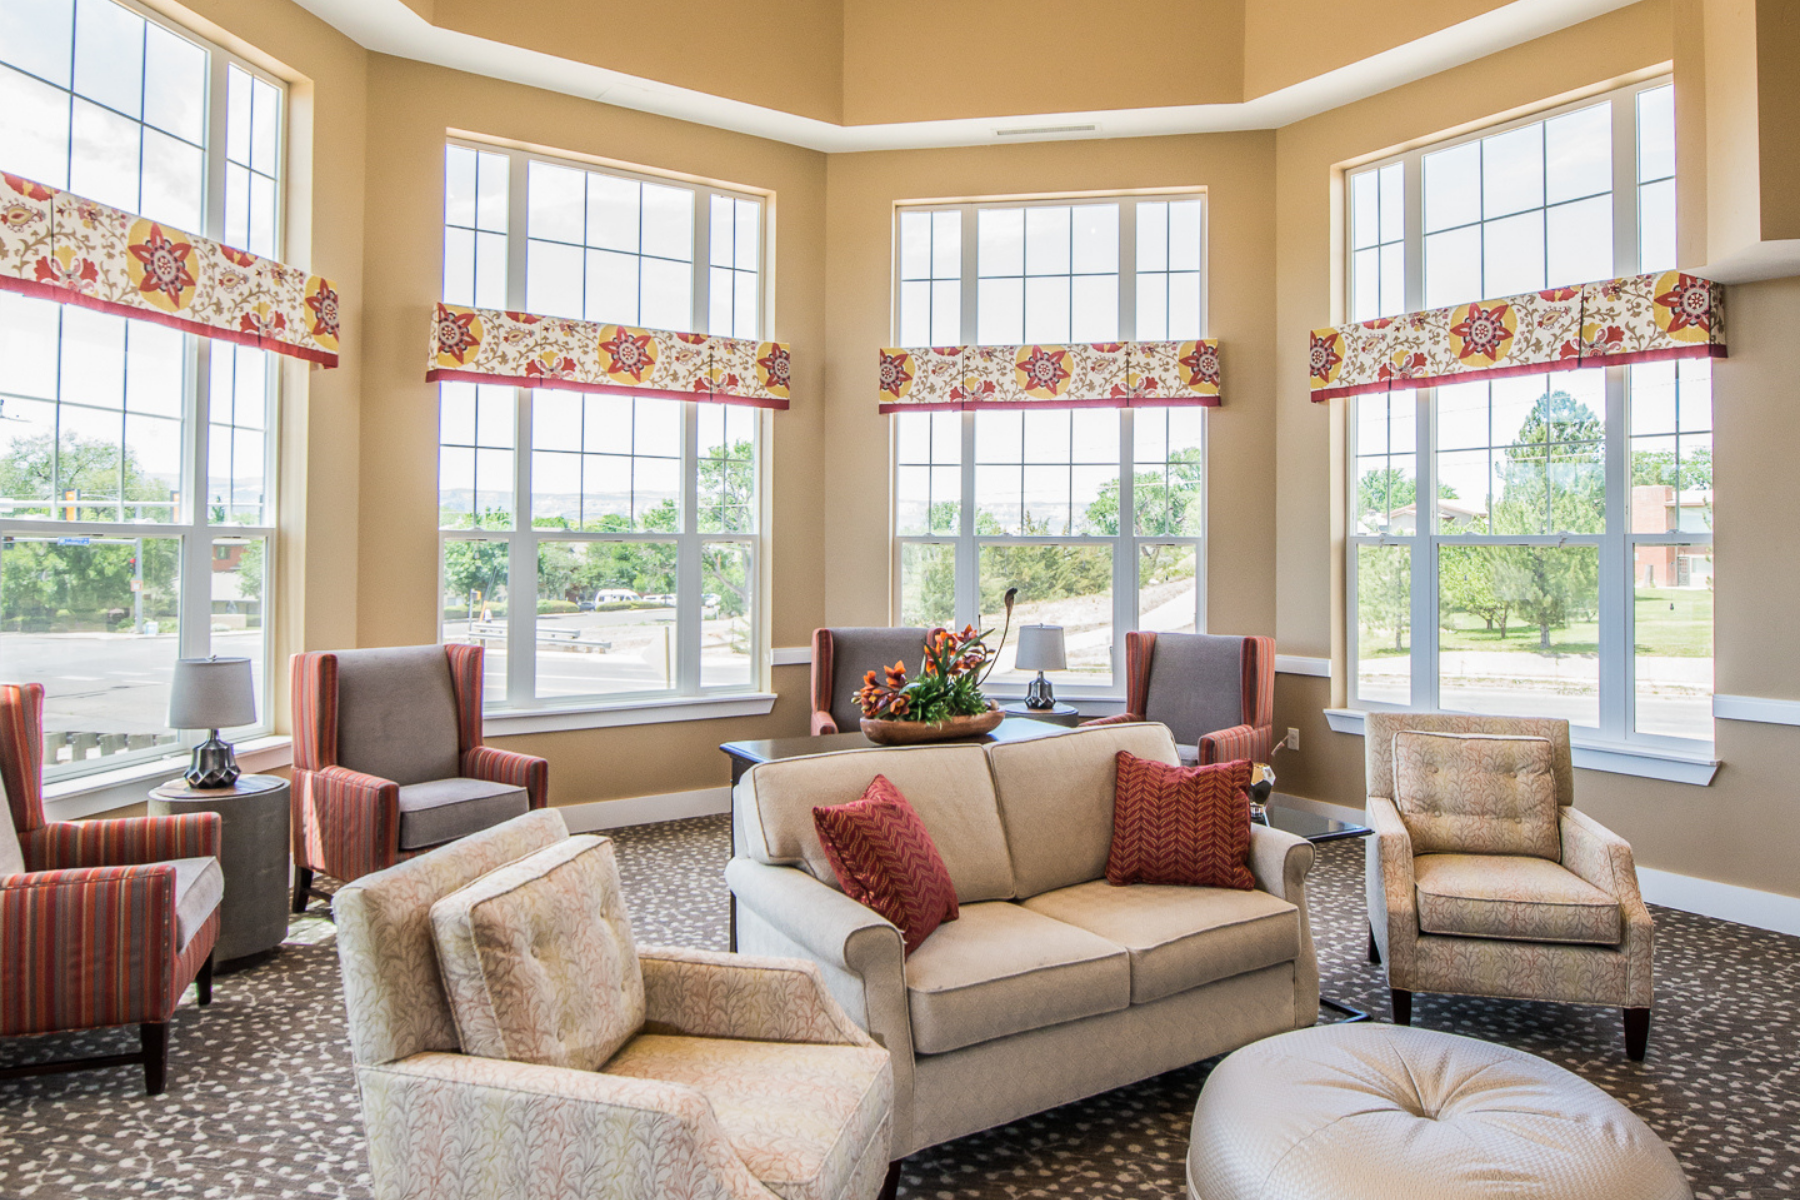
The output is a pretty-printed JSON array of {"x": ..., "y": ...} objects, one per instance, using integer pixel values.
[
  {"x": 645, "y": 810},
  {"x": 1707, "y": 897}
]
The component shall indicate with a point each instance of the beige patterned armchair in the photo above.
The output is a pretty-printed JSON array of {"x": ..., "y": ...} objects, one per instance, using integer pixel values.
[
  {"x": 746, "y": 1080},
  {"x": 1483, "y": 880}
]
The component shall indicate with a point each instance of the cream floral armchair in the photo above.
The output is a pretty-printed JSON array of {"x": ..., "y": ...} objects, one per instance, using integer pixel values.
[
  {"x": 719, "y": 1124},
  {"x": 1477, "y": 892}
]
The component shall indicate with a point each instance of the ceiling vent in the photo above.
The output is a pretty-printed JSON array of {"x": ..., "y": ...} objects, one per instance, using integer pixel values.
[{"x": 1045, "y": 130}]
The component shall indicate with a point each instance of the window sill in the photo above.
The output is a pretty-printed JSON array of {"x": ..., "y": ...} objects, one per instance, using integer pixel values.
[
  {"x": 511, "y": 722},
  {"x": 104, "y": 791},
  {"x": 1616, "y": 759}
]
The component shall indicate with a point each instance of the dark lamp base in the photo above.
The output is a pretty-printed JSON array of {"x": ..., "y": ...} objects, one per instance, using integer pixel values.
[
  {"x": 1039, "y": 694},
  {"x": 214, "y": 765}
]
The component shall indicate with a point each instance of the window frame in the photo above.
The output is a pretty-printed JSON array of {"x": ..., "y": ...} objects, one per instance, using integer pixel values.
[
  {"x": 1126, "y": 546},
  {"x": 1616, "y": 546},
  {"x": 521, "y": 704},
  {"x": 191, "y": 526}
]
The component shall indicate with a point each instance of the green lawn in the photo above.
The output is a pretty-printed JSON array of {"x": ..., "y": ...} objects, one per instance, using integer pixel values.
[{"x": 1671, "y": 623}]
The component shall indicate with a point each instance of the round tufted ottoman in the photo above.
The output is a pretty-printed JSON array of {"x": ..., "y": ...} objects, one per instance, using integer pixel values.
[{"x": 1375, "y": 1112}]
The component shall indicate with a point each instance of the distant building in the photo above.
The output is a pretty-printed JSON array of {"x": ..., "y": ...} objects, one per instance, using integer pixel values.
[
  {"x": 1454, "y": 517},
  {"x": 1655, "y": 508}
]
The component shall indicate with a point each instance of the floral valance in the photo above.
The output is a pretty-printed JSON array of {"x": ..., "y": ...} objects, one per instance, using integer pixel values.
[
  {"x": 486, "y": 345},
  {"x": 1641, "y": 318},
  {"x": 1099, "y": 375},
  {"x": 58, "y": 246}
]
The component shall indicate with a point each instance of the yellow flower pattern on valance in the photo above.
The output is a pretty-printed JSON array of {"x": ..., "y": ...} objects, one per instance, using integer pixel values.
[
  {"x": 58, "y": 246},
  {"x": 486, "y": 345},
  {"x": 1043, "y": 375},
  {"x": 1641, "y": 318}
]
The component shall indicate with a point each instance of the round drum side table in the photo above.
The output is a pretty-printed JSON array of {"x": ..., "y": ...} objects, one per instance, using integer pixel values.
[{"x": 253, "y": 855}]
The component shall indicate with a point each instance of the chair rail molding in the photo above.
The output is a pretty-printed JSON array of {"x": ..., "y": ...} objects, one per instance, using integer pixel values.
[
  {"x": 1763, "y": 709},
  {"x": 1297, "y": 664}
]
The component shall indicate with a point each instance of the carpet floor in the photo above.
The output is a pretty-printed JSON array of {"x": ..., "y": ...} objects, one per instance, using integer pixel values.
[{"x": 262, "y": 1102}]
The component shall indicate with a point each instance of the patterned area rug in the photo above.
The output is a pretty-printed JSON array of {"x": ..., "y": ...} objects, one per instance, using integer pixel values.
[{"x": 262, "y": 1103}]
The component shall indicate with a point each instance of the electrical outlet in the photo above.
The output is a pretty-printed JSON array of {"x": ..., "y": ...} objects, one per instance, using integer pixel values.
[{"x": 1293, "y": 738}]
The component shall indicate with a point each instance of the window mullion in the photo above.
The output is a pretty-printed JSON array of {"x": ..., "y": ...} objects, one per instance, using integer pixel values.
[
  {"x": 702, "y": 290},
  {"x": 521, "y": 557},
  {"x": 1616, "y": 585},
  {"x": 1425, "y": 555},
  {"x": 689, "y": 608},
  {"x": 968, "y": 554},
  {"x": 1125, "y": 546}
]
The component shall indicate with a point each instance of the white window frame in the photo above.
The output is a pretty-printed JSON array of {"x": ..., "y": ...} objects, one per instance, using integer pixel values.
[
  {"x": 1616, "y": 733},
  {"x": 521, "y": 710},
  {"x": 192, "y": 527},
  {"x": 1127, "y": 545}
]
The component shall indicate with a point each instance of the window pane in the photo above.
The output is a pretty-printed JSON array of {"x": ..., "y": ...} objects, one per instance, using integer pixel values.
[
  {"x": 1519, "y": 630},
  {"x": 1578, "y": 242},
  {"x": 475, "y": 608},
  {"x": 174, "y": 85},
  {"x": 34, "y": 132},
  {"x": 1512, "y": 171},
  {"x": 668, "y": 222},
  {"x": 1047, "y": 239},
  {"x": 725, "y": 636},
  {"x": 97, "y": 624},
  {"x": 1453, "y": 187},
  {"x": 1096, "y": 239},
  {"x": 1000, "y": 241},
  {"x": 1365, "y": 210},
  {"x": 556, "y": 203},
  {"x": 1656, "y": 133},
  {"x": 1656, "y": 226},
  {"x": 915, "y": 245},
  {"x": 1578, "y": 154},
  {"x": 1168, "y": 595},
  {"x": 1384, "y": 624},
  {"x": 1453, "y": 267},
  {"x": 109, "y": 55},
  {"x": 1512, "y": 255},
  {"x": 612, "y": 212},
  {"x": 727, "y": 484},
  {"x": 38, "y": 37},
  {"x": 605, "y": 618},
  {"x": 103, "y": 161},
  {"x": 928, "y": 583},
  {"x": 239, "y": 592},
  {"x": 1067, "y": 585},
  {"x": 1674, "y": 636}
]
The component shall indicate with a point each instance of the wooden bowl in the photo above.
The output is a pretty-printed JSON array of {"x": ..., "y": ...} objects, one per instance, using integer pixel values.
[{"x": 909, "y": 733}]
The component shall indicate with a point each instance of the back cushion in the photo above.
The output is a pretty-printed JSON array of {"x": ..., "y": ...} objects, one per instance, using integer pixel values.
[
  {"x": 1477, "y": 794},
  {"x": 1196, "y": 684},
  {"x": 397, "y": 714},
  {"x": 854, "y": 652},
  {"x": 538, "y": 959},
  {"x": 1056, "y": 799},
  {"x": 947, "y": 785}
]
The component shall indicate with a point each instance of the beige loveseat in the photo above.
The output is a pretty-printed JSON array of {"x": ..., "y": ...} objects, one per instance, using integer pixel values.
[{"x": 1053, "y": 984}]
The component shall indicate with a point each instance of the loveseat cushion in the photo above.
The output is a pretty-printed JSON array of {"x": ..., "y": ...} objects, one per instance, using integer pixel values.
[
  {"x": 538, "y": 961},
  {"x": 1056, "y": 799},
  {"x": 442, "y": 810},
  {"x": 1001, "y": 969},
  {"x": 801, "y": 1116},
  {"x": 1179, "y": 937},
  {"x": 949, "y": 786},
  {"x": 1517, "y": 898},
  {"x": 1181, "y": 825},
  {"x": 883, "y": 858},
  {"x": 1477, "y": 793}
]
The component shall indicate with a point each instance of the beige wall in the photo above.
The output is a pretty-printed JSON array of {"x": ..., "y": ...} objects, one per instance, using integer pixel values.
[{"x": 1236, "y": 169}]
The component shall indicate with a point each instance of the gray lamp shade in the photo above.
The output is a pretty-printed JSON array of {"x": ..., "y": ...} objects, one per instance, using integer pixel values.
[
  {"x": 212, "y": 693},
  {"x": 1041, "y": 648}
]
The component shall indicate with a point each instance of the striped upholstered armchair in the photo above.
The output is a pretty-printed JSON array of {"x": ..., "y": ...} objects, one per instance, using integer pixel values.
[
  {"x": 388, "y": 760},
  {"x": 1215, "y": 693},
  {"x": 102, "y": 923}
]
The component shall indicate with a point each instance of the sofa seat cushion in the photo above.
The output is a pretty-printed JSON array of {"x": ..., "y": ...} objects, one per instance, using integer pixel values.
[
  {"x": 1180, "y": 937},
  {"x": 1516, "y": 898},
  {"x": 1001, "y": 969},
  {"x": 442, "y": 810},
  {"x": 199, "y": 886},
  {"x": 801, "y": 1116}
]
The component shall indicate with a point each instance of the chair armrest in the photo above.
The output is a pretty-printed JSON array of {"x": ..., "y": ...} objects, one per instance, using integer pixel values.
[
  {"x": 504, "y": 766},
  {"x": 824, "y": 723},
  {"x": 705, "y": 993},
  {"x": 1127, "y": 718},
  {"x": 63, "y": 845},
  {"x": 345, "y": 823},
  {"x": 1604, "y": 859},
  {"x": 1388, "y": 887},
  {"x": 1280, "y": 861},
  {"x": 87, "y": 947},
  {"x": 456, "y": 1127},
  {"x": 1248, "y": 742}
]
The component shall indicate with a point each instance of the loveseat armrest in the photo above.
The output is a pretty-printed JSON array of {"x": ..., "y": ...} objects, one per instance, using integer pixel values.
[
  {"x": 1279, "y": 862},
  {"x": 1388, "y": 888},
  {"x": 706, "y": 993},
  {"x": 457, "y": 1127}
]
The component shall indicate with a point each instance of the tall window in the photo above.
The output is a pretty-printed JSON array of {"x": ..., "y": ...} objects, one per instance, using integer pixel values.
[
  {"x": 603, "y": 548},
  {"x": 1095, "y": 515},
  {"x": 1540, "y": 544},
  {"x": 136, "y": 488}
]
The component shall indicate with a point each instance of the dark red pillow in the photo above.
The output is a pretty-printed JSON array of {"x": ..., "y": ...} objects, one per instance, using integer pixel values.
[
  {"x": 884, "y": 859},
  {"x": 1185, "y": 825}
]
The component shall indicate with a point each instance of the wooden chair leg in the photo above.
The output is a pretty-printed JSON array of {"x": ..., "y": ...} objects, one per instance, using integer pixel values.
[
  {"x": 1374, "y": 950},
  {"x": 1637, "y": 1033},
  {"x": 302, "y": 887},
  {"x": 1402, "y": 1006},
  {"x": 155, "y": 1040},
  {"x": 891, "y": 1186},
  {"x": 203, "y": 982}
]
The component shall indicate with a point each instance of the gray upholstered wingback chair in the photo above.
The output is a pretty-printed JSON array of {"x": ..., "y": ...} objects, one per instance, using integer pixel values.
[
  {"x": 388, "y": 760},
  {"x": 840, "y": 657},
  {"x": 1216, "y": 693},
  {"x": 1471, "y": 892}
]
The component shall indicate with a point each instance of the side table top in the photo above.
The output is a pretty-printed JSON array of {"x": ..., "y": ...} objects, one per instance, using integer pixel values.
[{"x": 246, "y": 785}]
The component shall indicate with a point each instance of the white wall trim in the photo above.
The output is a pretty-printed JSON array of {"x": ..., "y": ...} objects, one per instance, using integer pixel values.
[
  {"x": 1295, "y": 664},
  {"x": 790, "y": 656},
  {"x": 645, "y": 810},
  {"x": 1757, "y": 708},
  {"x": 104, "y": 791},
  {"x": 1666, "y": 765},
  {"x": 642, "y": 712}
]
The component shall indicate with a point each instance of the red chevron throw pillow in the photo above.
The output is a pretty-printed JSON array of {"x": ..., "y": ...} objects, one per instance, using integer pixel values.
[
  {"x": 884, "y": 859},
  {"x": 1184, "y": 825}
]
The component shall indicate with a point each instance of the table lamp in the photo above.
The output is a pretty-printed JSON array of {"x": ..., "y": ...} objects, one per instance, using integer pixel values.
[
  {"x": 1040, "y": 650},
  {"x": 212, "y": 694}
]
